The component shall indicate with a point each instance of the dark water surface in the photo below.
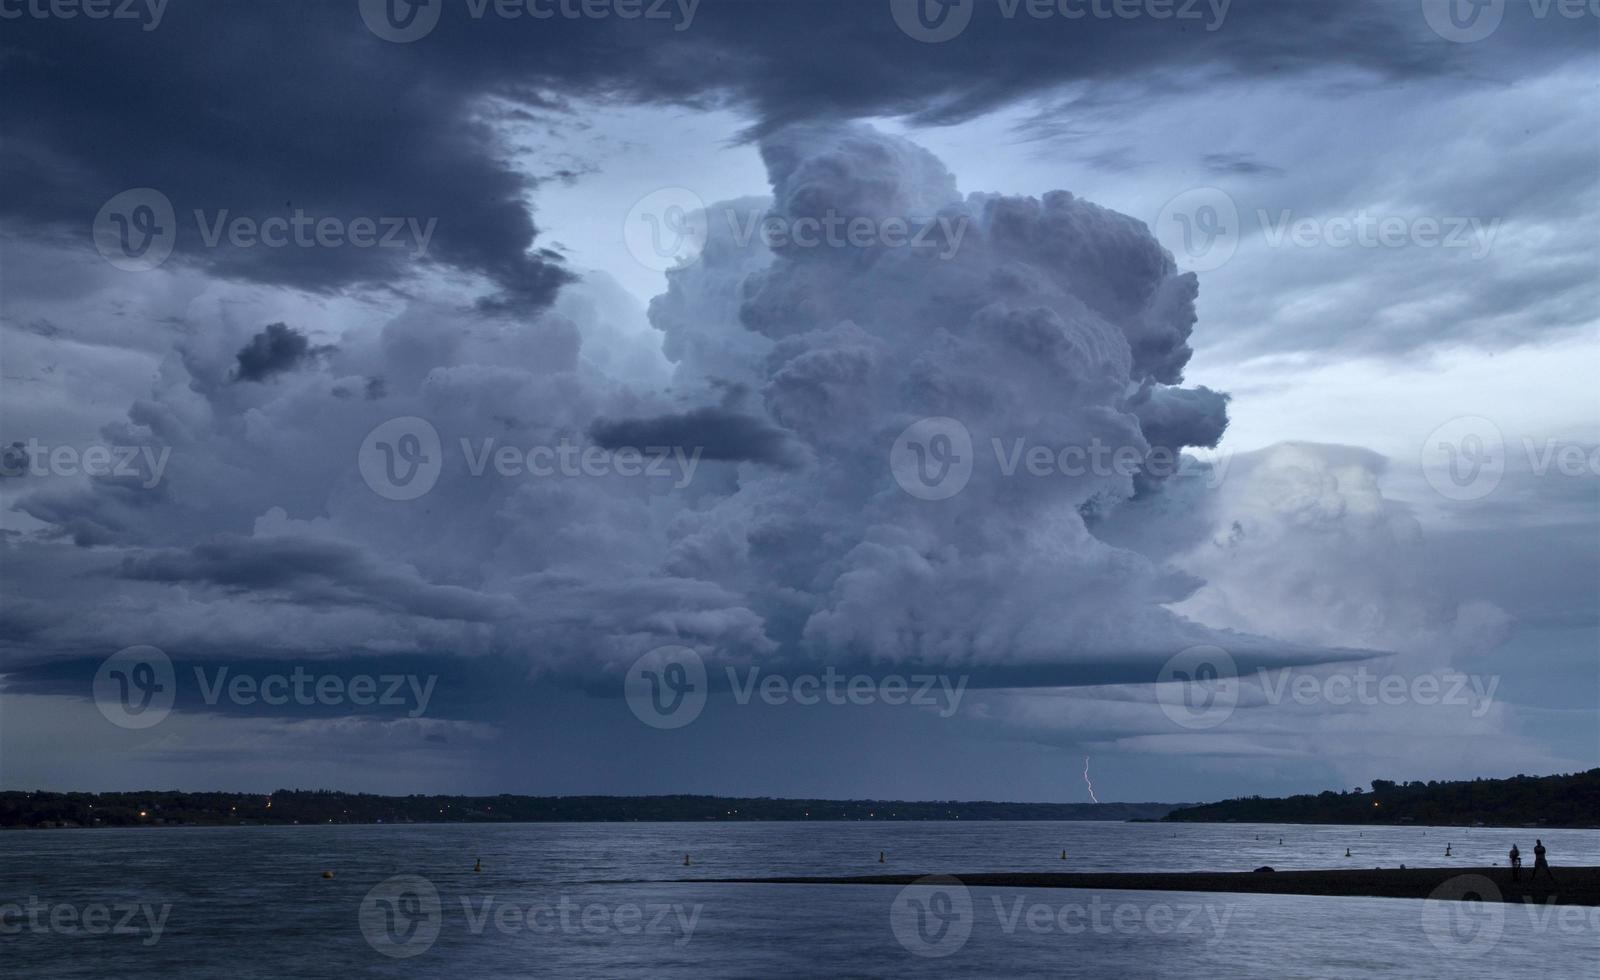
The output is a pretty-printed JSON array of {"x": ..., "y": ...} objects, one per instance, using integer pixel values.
[{"x": 404, "y": 901}]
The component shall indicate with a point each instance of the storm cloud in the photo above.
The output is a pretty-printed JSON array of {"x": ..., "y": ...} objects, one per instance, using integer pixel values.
[
  {"x": 411, "y": 136},
  {"x": 909, "y": 458},
  {"x": 276, "y": 349}
]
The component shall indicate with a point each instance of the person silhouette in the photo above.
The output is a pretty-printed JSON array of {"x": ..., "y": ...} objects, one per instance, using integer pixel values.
[
  {"x": 1540, "y": 862},
  {"x": 1516, "y": 863}
]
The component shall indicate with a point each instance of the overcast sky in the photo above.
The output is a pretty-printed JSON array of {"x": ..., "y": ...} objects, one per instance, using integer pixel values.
[{"x": 422, "y": 398}]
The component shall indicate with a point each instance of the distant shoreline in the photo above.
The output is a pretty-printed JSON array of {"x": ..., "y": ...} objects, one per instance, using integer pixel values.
[
  {"x": 1569, "y": 800},
  {"x": 1521, "y": 802},
  {"x": 53, "y": 810},
  {"x": 754, "y": 820},
  {"x": 1574, "y": 886}
]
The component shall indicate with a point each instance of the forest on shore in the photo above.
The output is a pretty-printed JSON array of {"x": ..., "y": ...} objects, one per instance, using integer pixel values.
[{"x": 1521, "y": 801}]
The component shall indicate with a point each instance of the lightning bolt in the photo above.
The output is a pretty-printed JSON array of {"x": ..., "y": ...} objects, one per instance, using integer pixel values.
[{"x": 1086, "y": 780}]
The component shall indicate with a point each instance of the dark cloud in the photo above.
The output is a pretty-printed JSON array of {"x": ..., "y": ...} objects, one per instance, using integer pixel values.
[
  {"x": 353, "y": 127},
  {"x": 311, "y": 573},
  {"x": 1179, "y": 417},
  {"x": 1059, "y": 322},
  {"x": 1238, "y": 164},
  {"x": 715, "y": 432},
  {"x": 276, "y": 349},
  {"x": 461, "y": 689}
]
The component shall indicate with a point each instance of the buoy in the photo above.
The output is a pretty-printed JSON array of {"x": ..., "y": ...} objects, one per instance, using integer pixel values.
[
  {"x": 1280, "y": 840},
  {"x": 1447, "y": 850},
  {"x": 1063, "y": 855},
  {"x": 327, "y": 874},
  {"x": 1347, "y": 852},
  {"x": 880, "y": 857},
  {"x": 477, "y": 865},
  {"x": 686, "y": 860}
]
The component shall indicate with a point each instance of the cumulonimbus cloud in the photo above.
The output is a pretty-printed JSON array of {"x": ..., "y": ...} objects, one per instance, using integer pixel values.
[{"x": 1034, "y": 323}]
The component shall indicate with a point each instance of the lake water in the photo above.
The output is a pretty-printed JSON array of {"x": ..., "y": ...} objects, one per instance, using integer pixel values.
[{"x": 556, "y": 900}]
